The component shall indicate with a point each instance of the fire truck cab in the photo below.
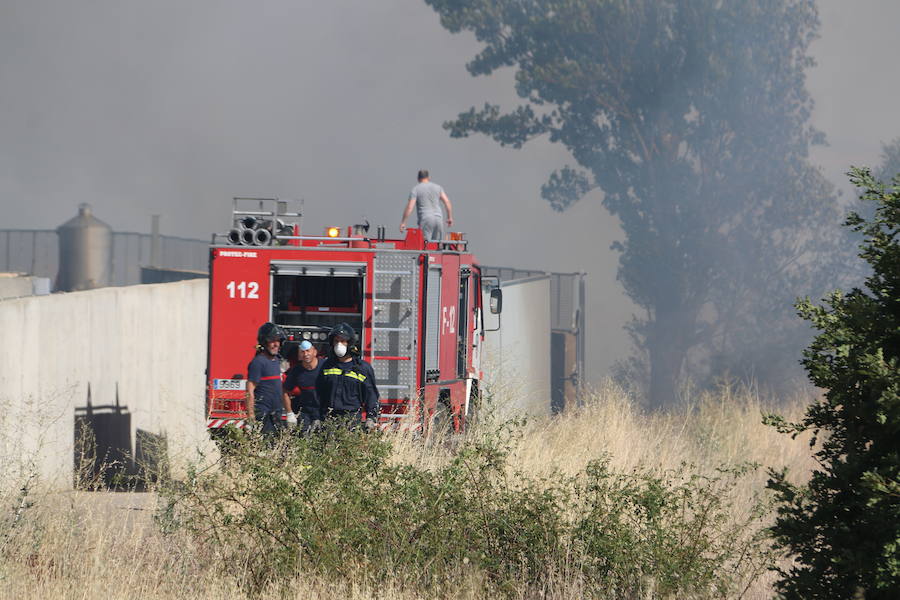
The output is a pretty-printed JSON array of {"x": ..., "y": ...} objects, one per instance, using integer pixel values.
[{"x": 416, "y": 307}]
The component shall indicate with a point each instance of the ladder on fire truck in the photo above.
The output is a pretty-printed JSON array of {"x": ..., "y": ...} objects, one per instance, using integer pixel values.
[{"x": 395, "y": 323}]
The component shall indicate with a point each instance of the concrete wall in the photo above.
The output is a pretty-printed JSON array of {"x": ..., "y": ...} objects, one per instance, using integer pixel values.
[
  {"x": 516, "y": 359},
  {"x": 141, "y": 348}
]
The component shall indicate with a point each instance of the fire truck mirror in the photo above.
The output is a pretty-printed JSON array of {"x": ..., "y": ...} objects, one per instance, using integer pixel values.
[{"x": 496, "y": 301}]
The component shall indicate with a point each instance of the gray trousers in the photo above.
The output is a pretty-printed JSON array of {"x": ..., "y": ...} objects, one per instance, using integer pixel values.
[{"x": 432, "y": 228}]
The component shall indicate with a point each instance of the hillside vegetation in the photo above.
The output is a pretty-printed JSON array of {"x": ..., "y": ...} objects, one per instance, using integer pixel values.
[{"x": 603, "y": 501}]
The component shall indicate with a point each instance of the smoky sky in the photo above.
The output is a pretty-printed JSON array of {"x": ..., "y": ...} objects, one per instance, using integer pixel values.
[{"x": 173, "y": 107}]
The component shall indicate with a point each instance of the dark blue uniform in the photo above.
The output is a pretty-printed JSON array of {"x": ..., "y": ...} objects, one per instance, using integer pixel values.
[
  {"x": 345, "y": 389},
  {"x": 265, "y": 372},
  {"x": 300, "y": 384}
]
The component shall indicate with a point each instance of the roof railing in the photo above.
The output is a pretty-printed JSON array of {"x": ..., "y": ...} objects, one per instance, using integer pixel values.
[{"x": 263, "y": 221}]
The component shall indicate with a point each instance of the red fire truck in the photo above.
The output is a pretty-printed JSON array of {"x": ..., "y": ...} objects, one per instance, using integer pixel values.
[{"x": 416, "y": 306}]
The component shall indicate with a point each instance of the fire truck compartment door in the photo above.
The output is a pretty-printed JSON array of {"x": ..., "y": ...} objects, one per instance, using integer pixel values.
[
  {"x": 432, "y": 322},
  {"x": 321, "y": 269}
]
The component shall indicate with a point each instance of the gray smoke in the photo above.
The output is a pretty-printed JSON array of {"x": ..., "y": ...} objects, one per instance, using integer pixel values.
[{"x": 173, "y": 108}]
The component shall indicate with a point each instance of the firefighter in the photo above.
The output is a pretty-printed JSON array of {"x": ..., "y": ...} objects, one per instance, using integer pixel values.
[
  {"x": 264, "y": 380},
  {"x": 346, "y": 384},
  {"x": 425, "y": 197},
  {"x": 300, "y": 388}
]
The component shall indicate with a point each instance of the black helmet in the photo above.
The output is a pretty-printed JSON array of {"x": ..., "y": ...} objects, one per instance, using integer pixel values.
[
  {"x": 269, "y": 332},
  {"x": 345, "y": 331}
]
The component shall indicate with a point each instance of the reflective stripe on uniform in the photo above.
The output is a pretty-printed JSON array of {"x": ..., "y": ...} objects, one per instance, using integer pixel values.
[{"x": 356, "y": 376}]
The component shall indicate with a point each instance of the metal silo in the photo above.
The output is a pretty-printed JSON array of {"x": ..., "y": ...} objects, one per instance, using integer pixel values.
[{"x": 85, "y": 252}]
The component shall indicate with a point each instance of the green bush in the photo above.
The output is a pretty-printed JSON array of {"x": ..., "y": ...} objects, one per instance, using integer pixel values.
[
  {"x": 843, "y": 527},
  {"x": 669, "y": 535},
  {"x": 338, "y": 506}
]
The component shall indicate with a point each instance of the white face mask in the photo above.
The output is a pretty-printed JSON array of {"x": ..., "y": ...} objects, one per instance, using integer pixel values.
[{"x": 340, "y": 349}]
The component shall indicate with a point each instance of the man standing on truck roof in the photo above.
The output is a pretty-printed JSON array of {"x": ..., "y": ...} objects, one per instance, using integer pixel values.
[
  {"x": 264, "y": 380},
  {"x": 426, "y": 197},
  {"x": 300, "y": 388},
  {"x": 346, "y": 384}
]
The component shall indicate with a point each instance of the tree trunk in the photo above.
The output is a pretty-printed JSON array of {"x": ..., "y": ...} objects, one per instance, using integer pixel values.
[{"x": 668, "y": 343}]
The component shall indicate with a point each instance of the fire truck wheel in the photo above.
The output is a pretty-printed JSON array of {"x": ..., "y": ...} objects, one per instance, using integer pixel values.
[
  {"x": 474, "y": 406},
  {"x": 442, "y": 417},
  {"x": 226, "y": 439}
]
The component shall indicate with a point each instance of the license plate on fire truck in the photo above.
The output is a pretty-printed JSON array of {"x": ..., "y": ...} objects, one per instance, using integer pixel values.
[{"x": 229, "y": 384}]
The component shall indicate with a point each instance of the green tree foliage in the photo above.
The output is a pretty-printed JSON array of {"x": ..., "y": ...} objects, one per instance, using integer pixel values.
[
  {"x": 844, "y": 526},
  {"x": 888, "y": 169},
  {"x": 885, "y": 171},
  {"x": 692, "y": 119}
]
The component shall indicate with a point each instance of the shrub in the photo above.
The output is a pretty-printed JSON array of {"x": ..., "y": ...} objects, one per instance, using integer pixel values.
[
  {"x": 843, "y": 527},
  {"x": 667, "y": 535},
  {"x": 337, "y": 506}
]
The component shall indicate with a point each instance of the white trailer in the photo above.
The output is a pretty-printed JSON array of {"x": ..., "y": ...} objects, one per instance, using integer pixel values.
[{"x": 533, "y": 359}]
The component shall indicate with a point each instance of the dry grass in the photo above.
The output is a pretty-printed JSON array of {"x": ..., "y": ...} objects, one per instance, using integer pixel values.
[
  {"x": 710, "y": 431},
  {"x": 107, "y": 545}
]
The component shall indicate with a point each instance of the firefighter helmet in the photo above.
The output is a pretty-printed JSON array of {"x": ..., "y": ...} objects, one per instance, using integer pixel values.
[
  {"x": 269, "y": 332},
  {"x": 345, "y": 331}
]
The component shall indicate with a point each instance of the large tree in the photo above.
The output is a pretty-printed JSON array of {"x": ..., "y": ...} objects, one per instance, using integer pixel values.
[{"x": 692, "y": 118}]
